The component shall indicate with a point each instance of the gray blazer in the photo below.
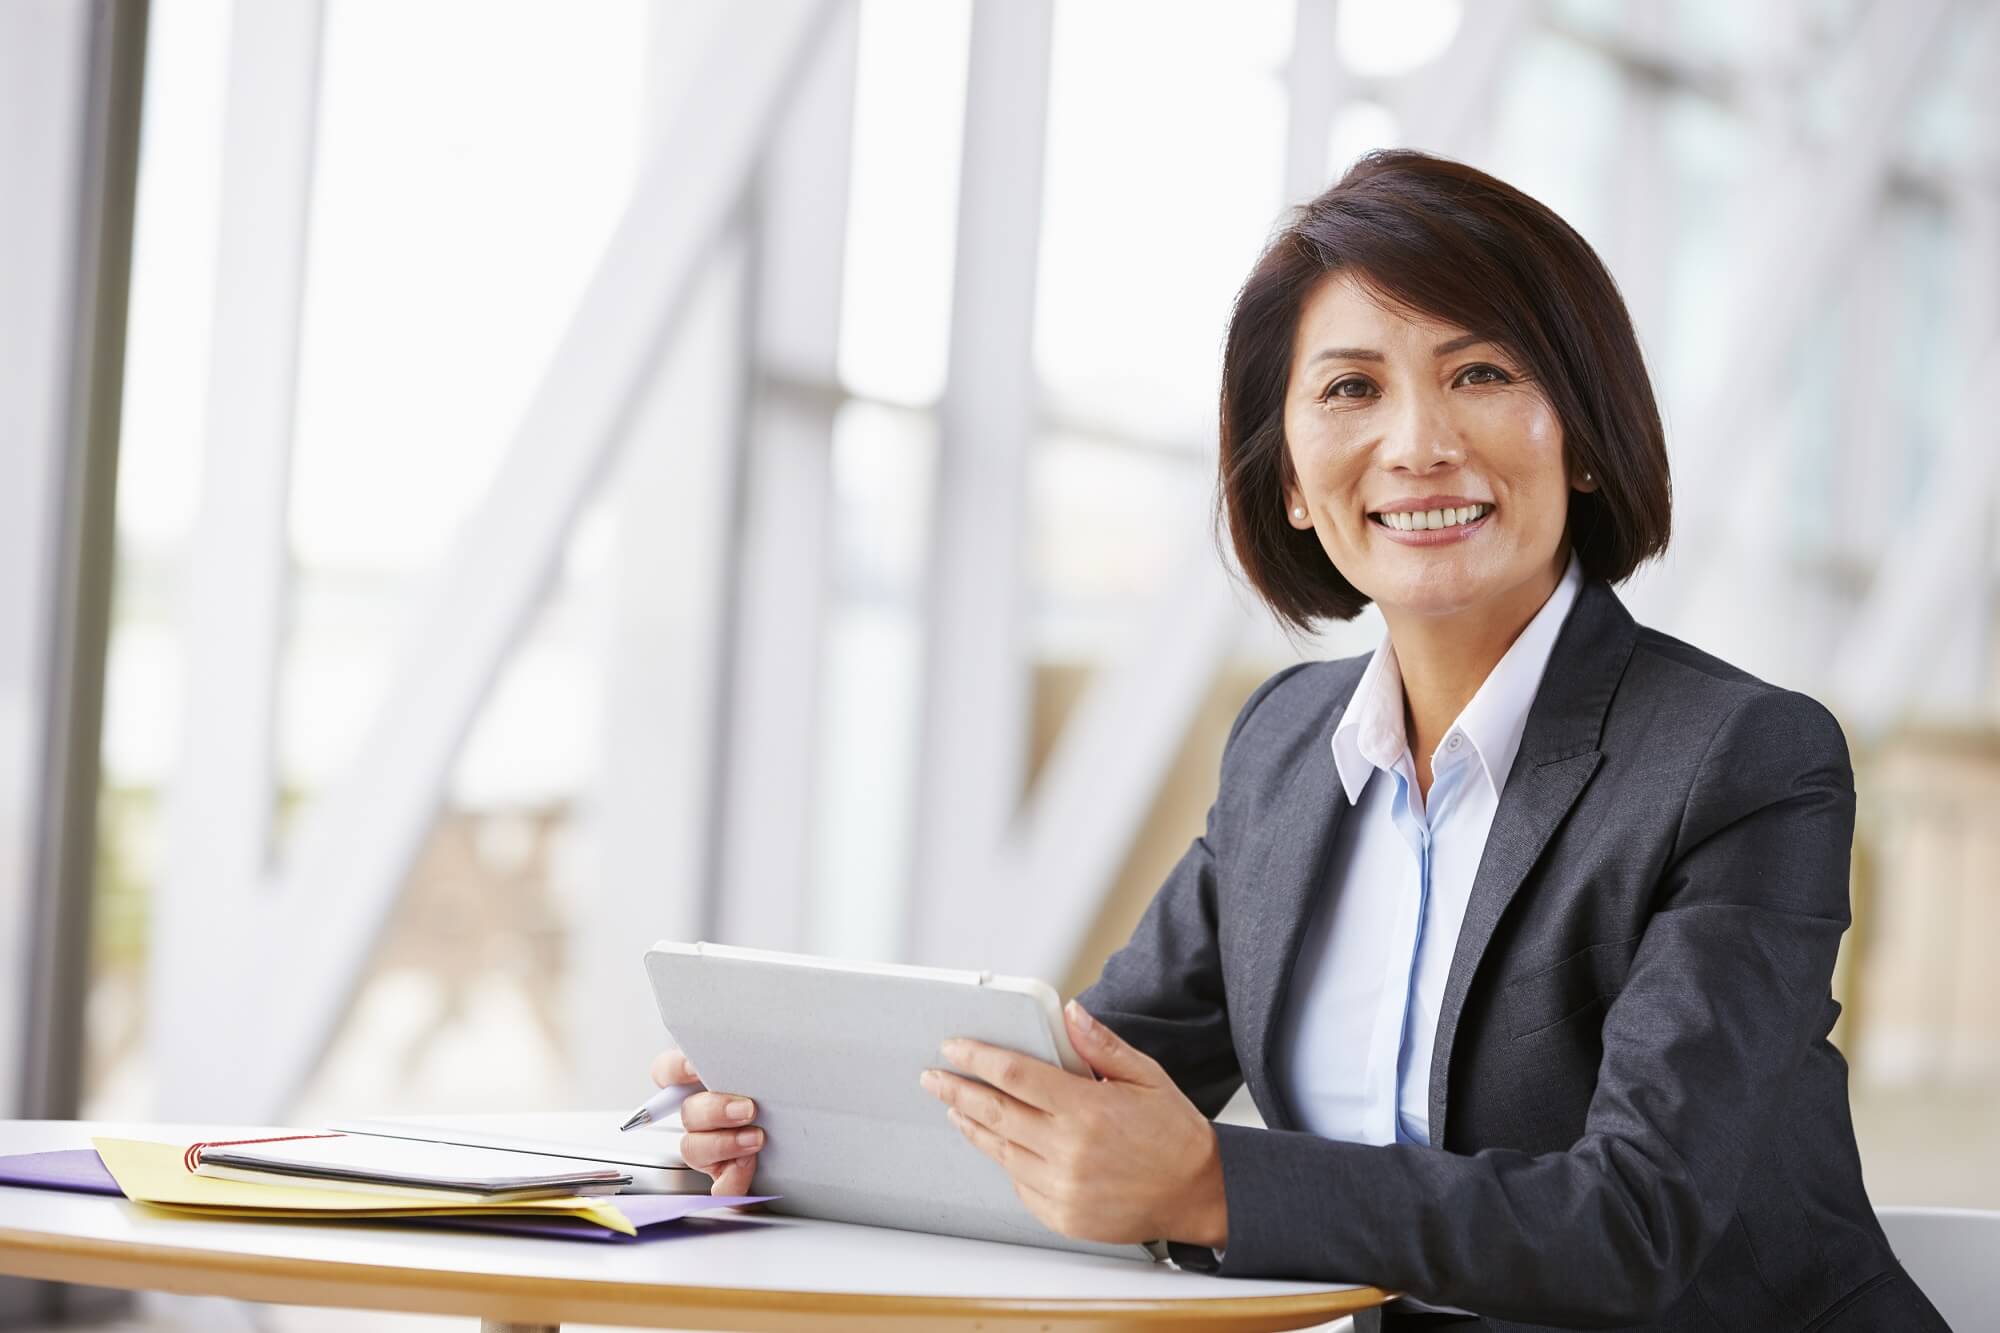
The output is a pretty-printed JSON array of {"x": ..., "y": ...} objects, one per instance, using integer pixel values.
[{"x": 1636, "y": 1117}]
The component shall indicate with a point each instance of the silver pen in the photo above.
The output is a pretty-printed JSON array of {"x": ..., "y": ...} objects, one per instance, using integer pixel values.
[{"x": 661, "y": 1104}]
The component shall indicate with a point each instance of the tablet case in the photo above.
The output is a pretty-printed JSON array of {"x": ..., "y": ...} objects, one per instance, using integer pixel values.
[{"x": 831, "y": 1050}]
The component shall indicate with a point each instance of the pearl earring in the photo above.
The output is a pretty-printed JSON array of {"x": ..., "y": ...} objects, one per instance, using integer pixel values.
[
  {"x": 1586, "y": 476},
  {"x": 1298, "y": 511}
]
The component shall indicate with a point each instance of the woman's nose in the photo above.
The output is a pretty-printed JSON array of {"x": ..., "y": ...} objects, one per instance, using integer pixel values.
[{"x": 1420, "y": 435}]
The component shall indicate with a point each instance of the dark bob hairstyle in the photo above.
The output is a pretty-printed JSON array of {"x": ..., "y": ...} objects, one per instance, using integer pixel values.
[{"x": 1459, "y": 246}]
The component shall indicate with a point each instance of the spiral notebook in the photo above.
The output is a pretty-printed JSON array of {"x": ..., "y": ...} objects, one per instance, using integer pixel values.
[
  {"x": 372, "y": 1163},
  {"x": 650, "y": 1155}
]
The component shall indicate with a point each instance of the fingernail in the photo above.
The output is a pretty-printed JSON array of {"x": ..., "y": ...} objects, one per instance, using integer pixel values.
[
  {"x": 748, "y": 1138},
  {"x": 741, "y": 1110},
  {"x": 929, "y": 1079},
  {"x": 952, "y": 1050},
  {"x": 1083, "y": 1020}
]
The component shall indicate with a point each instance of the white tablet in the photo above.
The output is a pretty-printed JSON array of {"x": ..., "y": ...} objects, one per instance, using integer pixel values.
[{"x": 831, "y": 1051}]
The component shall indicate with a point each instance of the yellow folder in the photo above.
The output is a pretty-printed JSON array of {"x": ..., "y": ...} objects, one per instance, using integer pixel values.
[{"x": 154, "y": 1173}]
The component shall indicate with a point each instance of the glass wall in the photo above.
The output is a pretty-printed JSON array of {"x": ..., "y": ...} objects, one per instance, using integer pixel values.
[{"x": 473, "y": 160}]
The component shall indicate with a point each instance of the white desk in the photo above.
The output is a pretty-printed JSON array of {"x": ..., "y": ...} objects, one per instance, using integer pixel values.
[{"x": 758, "y": 1271}]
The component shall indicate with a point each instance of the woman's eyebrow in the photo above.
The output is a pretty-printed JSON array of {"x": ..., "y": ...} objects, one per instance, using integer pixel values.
[{"x": 1445, "y": 348}]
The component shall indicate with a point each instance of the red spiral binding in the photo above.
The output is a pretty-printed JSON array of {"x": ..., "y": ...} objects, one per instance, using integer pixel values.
[{"x": 192, "y": 1157}]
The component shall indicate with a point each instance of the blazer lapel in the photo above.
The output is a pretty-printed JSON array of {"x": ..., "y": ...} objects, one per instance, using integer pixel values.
[
  {"x": 1284, "y": 883},
  {"x": 1558, "y": 754}
]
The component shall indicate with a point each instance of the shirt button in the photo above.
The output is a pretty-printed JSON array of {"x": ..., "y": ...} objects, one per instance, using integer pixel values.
[{"x": 1455, "y": 742}]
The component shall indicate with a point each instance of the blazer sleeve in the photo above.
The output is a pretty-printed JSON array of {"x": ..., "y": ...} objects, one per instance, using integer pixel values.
[
  {"x": 1728, "y": 989},
  {"x": 1162, "y": 992}
]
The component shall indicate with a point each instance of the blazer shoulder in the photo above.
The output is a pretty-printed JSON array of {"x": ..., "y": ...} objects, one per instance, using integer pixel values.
[
  {"x": 1690, "y": 666},
  {"x": 1299, "y": 700},
  {"x": 1725, "y": 708}
]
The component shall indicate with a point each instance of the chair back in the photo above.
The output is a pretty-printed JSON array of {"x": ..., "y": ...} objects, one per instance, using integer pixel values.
[{"x": 1954, "y": 1255}]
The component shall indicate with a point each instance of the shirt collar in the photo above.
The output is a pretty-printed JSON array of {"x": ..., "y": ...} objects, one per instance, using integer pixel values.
[{"x": 1370, "y": 733}]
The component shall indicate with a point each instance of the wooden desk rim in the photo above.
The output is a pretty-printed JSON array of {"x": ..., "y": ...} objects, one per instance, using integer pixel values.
[{"x": 142, "y": 1265}]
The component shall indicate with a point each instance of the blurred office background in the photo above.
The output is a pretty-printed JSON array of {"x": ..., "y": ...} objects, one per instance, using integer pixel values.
[{"x": 486, "y": 484}]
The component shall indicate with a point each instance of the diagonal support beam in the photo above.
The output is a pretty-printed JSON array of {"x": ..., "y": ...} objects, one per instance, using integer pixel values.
[
  {"x": 1099, "y": 783},
  {"x": 355, "y": 850}
]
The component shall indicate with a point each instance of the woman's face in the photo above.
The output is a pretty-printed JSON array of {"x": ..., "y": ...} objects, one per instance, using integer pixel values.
[{"x": 1391, "y": 416}]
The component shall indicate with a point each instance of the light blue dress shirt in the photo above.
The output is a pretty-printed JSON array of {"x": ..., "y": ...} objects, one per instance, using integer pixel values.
[{"x": 1354, "y": 1043}]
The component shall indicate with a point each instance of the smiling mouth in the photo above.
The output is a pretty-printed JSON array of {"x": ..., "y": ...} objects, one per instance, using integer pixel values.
[{"x": 1420, "y": 520}]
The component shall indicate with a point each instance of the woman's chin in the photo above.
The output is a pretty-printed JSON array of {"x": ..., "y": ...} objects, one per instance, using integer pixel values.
[{"x": 1443, "y": 589}]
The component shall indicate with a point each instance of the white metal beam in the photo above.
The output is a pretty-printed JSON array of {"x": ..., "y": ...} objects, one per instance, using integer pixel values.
[
  {"x": 359, "y": 839},
  {"x": 658, "y": 800},
  {"x": 1446, "y": 107},
  {"x": 1642, "y": 236},
  {"x": 222, "y": 792},
  {"x": 653, "y": 806},
  {"x": 977, "y": 677},
  {"x": 1870, "y": 463},
  {"x": 1966, "y": 670},
  {"x": 786, "y": 533},
  {"x": 1315, "y": 85},
  {"x": 1818, "y": 207},
  {"x": 44, "y": 95},
  {"x": 701, "y": 816}
]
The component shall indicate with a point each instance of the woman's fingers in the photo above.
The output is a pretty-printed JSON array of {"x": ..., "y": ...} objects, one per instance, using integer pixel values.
[
  {"x": 670, "y": 1066},
  {"x": 717, "y": 1110},
  {"x": 734, "y": 1176},
  {"x": 707, "y": 1150},
  {"x": 720, "y": 1140},
  {"x": 718, "y": 1130}
]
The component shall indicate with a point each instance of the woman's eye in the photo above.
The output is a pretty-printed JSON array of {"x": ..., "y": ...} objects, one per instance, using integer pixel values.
[{"x": 1339, "y": 389}]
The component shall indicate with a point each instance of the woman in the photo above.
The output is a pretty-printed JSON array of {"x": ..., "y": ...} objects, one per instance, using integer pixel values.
[{"x": 1521, "y": 928}]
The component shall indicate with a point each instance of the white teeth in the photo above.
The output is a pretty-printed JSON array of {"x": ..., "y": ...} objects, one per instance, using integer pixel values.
[{"x": 1422, "y": 520}]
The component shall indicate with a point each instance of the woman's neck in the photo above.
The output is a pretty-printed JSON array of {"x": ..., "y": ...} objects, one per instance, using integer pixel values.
[{"x": 1445, "y": 659}]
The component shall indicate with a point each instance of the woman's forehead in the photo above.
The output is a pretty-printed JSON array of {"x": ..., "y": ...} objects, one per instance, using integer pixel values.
[{"x": 1344, "y": 305}]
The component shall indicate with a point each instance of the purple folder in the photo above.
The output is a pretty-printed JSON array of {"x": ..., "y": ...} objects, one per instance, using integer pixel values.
[
  {"x": 78, "y": 1170},
  {"x": 81, "y": 1171}
]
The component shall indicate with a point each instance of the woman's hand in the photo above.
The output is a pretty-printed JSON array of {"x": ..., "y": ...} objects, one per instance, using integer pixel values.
[
  {"x": 721, "y": 1142},
  {"x": 1126, "y": 1160}
]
